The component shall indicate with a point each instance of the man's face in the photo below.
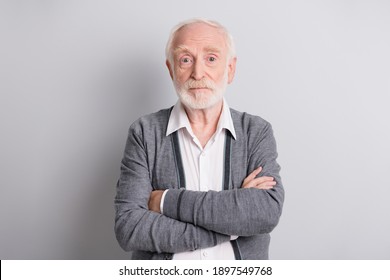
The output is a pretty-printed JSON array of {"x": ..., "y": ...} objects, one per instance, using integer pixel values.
[{"x": 200, "y": 70}]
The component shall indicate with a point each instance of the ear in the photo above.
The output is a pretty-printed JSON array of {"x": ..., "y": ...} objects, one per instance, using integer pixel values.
[
  {"x": 231, "y": 69},
  {"x": 170, "y": 68}
]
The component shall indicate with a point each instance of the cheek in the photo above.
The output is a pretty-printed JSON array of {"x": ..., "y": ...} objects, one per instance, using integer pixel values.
[
  {"x": 222, "y": 69},
  {"x": 220, "y": 75},
  {"x": 182, "y": 75}
]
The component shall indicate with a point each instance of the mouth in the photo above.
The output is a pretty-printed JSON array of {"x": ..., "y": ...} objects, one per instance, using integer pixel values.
[{"x": 199, "y": 88}]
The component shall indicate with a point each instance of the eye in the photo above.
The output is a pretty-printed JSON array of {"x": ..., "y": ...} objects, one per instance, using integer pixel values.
[
  {"x": 185, "y": 60},
  {"x": 211, "y": 59}
]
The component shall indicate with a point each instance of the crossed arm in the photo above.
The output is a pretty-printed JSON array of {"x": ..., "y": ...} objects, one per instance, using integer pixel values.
[
  {"x": 261, "y": 183},
  {"x": 193, "y": 220},
  {"x": 244, "y": 212},
  {"x": 243, "y": 219}
]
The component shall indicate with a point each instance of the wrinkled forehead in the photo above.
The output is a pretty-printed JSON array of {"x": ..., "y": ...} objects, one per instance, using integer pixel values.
[{"x": 200, "y": 35}]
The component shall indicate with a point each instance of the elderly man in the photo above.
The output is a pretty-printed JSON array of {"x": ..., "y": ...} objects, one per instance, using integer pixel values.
[{"x": 199, "y": 180}]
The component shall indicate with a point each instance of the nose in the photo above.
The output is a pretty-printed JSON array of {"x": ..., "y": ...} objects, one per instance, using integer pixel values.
[{"x": 198, "y": 70}]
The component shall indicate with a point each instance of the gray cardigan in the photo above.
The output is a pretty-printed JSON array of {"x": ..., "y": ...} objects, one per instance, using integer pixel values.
[{"x": 194, "y": 219}]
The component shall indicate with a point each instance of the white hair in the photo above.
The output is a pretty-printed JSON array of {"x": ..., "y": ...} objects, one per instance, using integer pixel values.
[{"x": 228, "y": 36}]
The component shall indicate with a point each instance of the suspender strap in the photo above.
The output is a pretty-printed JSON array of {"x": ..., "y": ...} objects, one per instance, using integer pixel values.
[
  {"x": 236, "y": 250},
  {"x": 178, "y": 160},
  {"x": 227, "y": 160}
]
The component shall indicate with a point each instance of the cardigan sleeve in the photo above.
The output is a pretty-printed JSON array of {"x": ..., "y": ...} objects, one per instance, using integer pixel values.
[
  {"x": 138, "y": 228},
  {"x": 243, "y": 211}
]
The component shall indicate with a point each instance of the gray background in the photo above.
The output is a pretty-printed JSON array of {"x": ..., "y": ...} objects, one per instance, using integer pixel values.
[{"x": 75, "y": 74}]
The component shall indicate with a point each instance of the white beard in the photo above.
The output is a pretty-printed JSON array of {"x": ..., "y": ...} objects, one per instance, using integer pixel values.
[{"x": 202, "y": 99}]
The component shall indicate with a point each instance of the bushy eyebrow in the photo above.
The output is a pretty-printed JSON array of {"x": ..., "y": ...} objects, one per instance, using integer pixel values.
[
  {"x": 185, "y": 49},
  {"x": 212, "y": 49},
  {"x": 181, "y": 49}
]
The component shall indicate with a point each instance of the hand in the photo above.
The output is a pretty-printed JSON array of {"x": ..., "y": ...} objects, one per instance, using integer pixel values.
[
  {"x": 263, "y": 183},
  {"x": 154, "y": 201}
]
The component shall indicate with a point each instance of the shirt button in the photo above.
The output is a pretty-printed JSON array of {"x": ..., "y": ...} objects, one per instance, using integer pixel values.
[
  {"x": 205, "y": 254},
  {"x": 203, "y": 154}
]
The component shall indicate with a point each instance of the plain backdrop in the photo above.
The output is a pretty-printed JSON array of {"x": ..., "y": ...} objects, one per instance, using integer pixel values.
[{"x": 75, "y": 75}]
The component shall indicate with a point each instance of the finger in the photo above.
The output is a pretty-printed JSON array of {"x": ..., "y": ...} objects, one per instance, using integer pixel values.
[
  {"x": 261, "y": 183},
  {"x": 266, "y": 185},
  {"x": 253, "y": 175},
  {"x": 257, "y": 170},
  {"x": 263, "y": 179}
]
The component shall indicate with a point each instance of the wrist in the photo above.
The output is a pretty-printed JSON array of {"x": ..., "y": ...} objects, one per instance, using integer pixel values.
[{"x": 154, "y": 201}]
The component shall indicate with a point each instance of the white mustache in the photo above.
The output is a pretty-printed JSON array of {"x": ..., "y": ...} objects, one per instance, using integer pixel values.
[{"x": 203, "y": 83}]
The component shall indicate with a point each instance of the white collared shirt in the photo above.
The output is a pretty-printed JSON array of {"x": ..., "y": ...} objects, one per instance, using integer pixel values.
[{"x": 203, "y": 169}]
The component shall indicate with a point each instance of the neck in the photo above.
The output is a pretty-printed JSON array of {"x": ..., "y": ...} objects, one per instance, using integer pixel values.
[
  {"x": 204, "y": 121},
  {"x": 204, "y": 117}
]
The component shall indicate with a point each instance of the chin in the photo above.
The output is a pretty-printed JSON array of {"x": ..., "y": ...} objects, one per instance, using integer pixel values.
[{"x": 201, "y": 100}]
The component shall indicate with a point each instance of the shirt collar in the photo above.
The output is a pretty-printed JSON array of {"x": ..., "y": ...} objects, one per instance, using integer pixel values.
[{"x": 178, "y": 119}]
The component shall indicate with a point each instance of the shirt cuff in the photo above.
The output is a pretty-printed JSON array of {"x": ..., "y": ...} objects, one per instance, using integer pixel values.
[
  {"x": 233, "y": 237},
  {"x": 162, "y": 201}
]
